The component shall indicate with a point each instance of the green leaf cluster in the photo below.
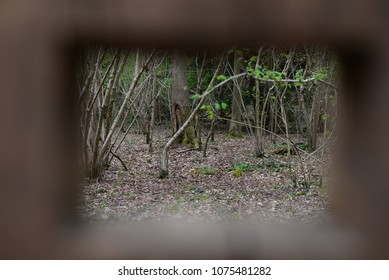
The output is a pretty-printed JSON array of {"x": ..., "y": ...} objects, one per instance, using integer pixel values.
[{"x": 211, "y": 109}]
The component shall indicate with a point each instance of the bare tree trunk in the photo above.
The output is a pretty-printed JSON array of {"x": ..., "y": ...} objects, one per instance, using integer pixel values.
[
  {"x": 285, "y": 121},
  {"x": 180, "y": 100},
  {"x": 152, "y": 111},
  {"x": 91, "y": 112},
  {"x": 208, "y": 137},
  {"x": 321, "y": 60},
  {"x": 92, "y": 74},
  {"x": 235, "y": 129},
  {"x": 96, "y": 165},
  {"x": 259, "y": 152},
  {"x": 314, "y": 121},
  {"x": 164, "y": 170},
  {"x": 198, "y": 122},
  {"x": 106, "y": 145},
  {"x": 199, "y": 131},
  {"x": 272, "y": 117}
]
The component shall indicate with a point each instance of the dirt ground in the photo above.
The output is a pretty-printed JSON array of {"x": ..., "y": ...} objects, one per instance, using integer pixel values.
[{"x": 211, "y": 188}]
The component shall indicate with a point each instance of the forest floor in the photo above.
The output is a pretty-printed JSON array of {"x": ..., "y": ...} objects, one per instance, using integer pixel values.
[{"x": 230, "y": 183}]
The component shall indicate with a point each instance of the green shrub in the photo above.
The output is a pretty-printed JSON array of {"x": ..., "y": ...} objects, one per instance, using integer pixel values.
[
  {"x": 232, "y": 136},
  {"x": 243, "y": 167},
  {"x": 237, "y": 172},
  {"x": 276, "y": 166}
]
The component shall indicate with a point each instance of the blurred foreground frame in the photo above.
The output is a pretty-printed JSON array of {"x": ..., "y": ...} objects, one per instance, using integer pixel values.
[{"x": 37, "y": 117}]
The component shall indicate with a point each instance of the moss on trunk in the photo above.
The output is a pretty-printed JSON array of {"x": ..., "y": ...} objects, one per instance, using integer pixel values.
[{"x": 189, "y": 135}]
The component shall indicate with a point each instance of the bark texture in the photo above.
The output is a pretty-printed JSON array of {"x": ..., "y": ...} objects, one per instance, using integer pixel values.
[
  {"x": 180, "y": 100},
  {"x": 235, "y": 129}
]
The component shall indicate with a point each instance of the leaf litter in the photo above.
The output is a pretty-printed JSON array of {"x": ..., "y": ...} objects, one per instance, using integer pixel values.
[{"x": 274, "y": 188}]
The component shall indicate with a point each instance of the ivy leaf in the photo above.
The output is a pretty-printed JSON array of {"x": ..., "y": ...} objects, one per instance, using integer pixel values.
[
  {"x": 217, "y": 106},
  {"x": 221, "y": 78},
  {"x": 320, "y": 76},
  {"x": 253, "y": 59},
  {"x": 224, "y": 106},
  {"x": 195, "y": 96},
  {"x": 257, "y": 73}
]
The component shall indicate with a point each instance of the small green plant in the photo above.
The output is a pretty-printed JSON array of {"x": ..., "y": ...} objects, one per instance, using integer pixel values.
[
  {"x": 101, "y": 190},
  {"x": 188, "y": 187},
  {"x": 201, "y": 197},
  {"x": 112, "y": 192},
  {"x": 247, "y": 167},
  {"x": 274, "y": 165},
  {"x": 206, "y": 171},
  {"x": 237, "y": 172},
  {"x": 232, "y": 136},
  {"x": 120, "y": 182},
  {"x": 300, "y": 193},
  {"x": 243, "y": 167},
  {"x": 163, "y": 175},
  {"x": 301, "y": 187},
  {"x": 103, "y": 203}
]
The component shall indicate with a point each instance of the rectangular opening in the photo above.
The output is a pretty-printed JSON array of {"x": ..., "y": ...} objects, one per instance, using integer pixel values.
[{"x": 258, "y": 145}]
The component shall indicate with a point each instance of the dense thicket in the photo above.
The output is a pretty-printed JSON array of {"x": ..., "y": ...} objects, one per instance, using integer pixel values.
[{"x": 256, "y": 92}]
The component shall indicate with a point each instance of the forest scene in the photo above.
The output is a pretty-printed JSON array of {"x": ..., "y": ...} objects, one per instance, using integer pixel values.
[{"x": 243, "y": 133}]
